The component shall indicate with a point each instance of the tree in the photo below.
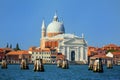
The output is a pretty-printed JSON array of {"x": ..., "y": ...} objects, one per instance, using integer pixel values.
[
  {"x": 17, "y": 47},
  {"x": 7, "y": 45},
  {"x": 11, "y": 46},
  {"x": 112, "y": 50}
]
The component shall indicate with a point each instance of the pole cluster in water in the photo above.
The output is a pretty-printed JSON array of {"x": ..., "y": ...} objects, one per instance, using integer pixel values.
[
  {"x": 4, "y": 64},
  {"x": 90, "y": 67},
  {"x": 63, "y": 64},
  {"x": 38, "y": 65},
  {"x": 24, "y": 64},
  {"x": 96, "y": 66},
  {"x": 109, "y": 64}
]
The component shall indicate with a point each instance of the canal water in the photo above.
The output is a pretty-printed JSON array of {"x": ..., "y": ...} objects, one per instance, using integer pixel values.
[{"x": 75, "y": 72}]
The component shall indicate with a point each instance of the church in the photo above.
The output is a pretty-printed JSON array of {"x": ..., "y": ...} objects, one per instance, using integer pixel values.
[{"x": 53, "y": 36}]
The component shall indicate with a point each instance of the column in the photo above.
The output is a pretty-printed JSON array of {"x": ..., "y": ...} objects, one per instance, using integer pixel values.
[
  {"x": 63, "y": 50},
  {"x": 78, "y": 53},
  {"x": 86, "y": 56},
  {"x": 68, "y": 52},
  {"x": 81, "y": 55}
]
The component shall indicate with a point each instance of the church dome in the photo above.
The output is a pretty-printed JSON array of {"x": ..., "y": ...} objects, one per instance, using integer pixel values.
[{"x": 55, "y": 26}]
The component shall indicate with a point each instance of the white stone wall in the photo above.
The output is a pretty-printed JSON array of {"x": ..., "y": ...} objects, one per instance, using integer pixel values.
[
  {"x": 109, "y": 54},
  {"x": 80, "y": 52},
  {"x": 44, "y": 55}
]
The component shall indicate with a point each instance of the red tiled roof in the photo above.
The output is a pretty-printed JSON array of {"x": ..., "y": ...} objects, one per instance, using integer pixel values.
[
  {"x": 116, "y": 53},
  {"x": 32, "y": 48},
  {"x": 35, "y": 50},
  {"x": 1, "y": 50},
  {"x": 6, "y": 49},
  {"x": 41, "y": 50},
  {"x": 100, "y": 56},
  {"x": 111, "y": 45},
  {"x": 17, "y": 52},
  {"x": 91, "y": 47}
]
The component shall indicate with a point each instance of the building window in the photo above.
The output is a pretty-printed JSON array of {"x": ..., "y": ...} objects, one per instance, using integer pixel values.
[
  {"x": 36, "y": 57},
  {"x": 32, "y": 52}
]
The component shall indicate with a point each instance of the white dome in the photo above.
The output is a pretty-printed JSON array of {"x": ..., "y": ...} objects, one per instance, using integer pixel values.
[{"x": 55, "y": 27}]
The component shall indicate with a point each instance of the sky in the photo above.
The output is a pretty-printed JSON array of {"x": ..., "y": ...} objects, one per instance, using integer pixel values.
[{"x": 21, "y": 20}]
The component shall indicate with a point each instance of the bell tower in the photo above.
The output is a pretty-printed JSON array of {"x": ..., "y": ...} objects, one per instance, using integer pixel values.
[{"x": 43, "y": 33}]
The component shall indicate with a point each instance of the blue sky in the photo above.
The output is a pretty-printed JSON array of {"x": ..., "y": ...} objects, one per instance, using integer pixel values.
[{"x": 20, "y": 20}]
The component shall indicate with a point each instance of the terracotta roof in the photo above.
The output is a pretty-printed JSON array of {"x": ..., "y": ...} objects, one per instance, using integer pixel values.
[
  {"x": 91, "y": 47},
  {"x": 1, "y": 50},
  {"x": 6, "y": 49},
  {"x": 35, "y": 50},
  {"x": 32, "y": 48},
  {"x": 41, "y": 50},
  {"x": 111, "y": 45},
  {"x": 99, "y": 56},
  {"x": 116, "y": 53},
  {"x": 46, "y": 49},
  {"x": 17, "y": 52}
]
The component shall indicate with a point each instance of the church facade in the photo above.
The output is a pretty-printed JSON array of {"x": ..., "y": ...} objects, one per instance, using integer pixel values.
[{"x": 73, "y": 47}]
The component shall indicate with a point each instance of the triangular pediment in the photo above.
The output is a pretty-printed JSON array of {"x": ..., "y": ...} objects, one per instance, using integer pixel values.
[{"x": 74, "y": 41}]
